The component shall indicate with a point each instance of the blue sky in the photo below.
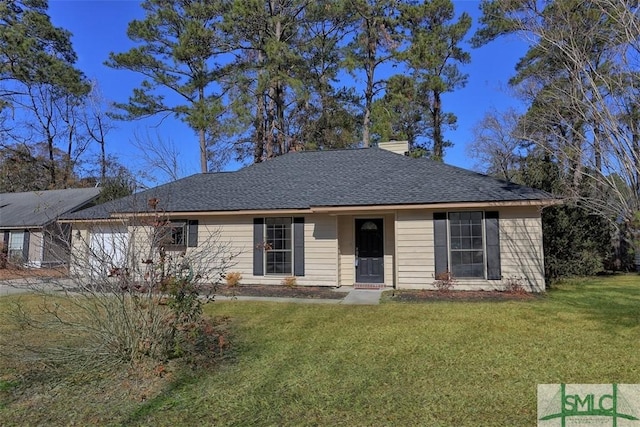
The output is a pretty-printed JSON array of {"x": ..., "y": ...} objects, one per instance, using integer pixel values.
[{"x": 99, "y": 27}]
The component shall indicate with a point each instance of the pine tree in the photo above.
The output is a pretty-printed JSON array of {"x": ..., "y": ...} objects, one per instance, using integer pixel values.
[
  {"x": 180, "y": 55},
  {"x": 433, "y": 57}
]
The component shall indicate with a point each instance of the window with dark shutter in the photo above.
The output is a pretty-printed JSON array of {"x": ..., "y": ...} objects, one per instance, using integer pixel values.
[
  {"x": 278, "y": 246},
  {"x": 441, "y": 249},
  {"x": 258, "y": 246},
  {"x": 279, "y": 250},
  {"x": 492, "y": 231},
  {"x": 298, "y": 246},
  {"x": 192, "y": 238},
  {"x": 172, "y": 235},
  {"x": 467, "y": 244}
]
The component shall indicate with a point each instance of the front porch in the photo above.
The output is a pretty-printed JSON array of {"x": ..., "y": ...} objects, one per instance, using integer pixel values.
[{"x": 366, "y": 250}]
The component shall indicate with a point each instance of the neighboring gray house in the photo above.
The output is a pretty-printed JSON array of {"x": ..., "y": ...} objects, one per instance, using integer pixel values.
[
  {"x": 364, "y": 217},
  {"x": 28, "y": 224}
]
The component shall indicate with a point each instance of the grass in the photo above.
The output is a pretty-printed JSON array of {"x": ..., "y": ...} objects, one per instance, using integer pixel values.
[{"x": 436, "y": 364}]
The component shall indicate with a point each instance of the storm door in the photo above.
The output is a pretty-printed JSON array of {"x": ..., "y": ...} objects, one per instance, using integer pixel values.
[{"x": 369, "y": 251}]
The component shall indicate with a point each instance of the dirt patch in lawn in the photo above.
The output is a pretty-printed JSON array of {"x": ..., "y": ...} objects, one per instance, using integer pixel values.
[
  {"x": 315, "y": 292},
  {"x": 428, "y": 295},
  {"x": 13, "y": 272}
]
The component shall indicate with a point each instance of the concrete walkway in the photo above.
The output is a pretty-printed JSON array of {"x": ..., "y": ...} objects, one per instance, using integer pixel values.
[
  {"x": 352, "y": 296},
  {"x": 363, "y": 297},
  {"x": 24, "y": 285}
]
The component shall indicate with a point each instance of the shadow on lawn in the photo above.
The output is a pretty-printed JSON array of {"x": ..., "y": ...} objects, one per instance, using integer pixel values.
[
  {"x": 160, "y": 401},
  {"x": 613, "y": 301}
]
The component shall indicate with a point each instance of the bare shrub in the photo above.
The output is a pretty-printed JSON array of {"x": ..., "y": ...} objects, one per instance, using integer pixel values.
[
  {"x": 289, "y": 282},
  {"x": 444, "y": 281},
  {"x": 130, "y": 295},
  {"x": 233, "y": 279},
  {"x": 514, "y": 285}
]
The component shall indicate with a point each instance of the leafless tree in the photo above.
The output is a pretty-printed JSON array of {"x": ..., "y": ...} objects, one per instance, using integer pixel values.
[
  {"x": 159, "y": 157},
  {"x": 596, "y": 45},
  {"x": 496, "y": 144}
]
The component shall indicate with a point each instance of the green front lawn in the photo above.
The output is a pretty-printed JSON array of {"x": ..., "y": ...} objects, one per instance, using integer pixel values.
[{"x": 439, "y": 363}]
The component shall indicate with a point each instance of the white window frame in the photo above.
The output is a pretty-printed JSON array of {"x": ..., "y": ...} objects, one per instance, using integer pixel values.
[
  {"x": 270, "y": 249},
  {"x": 484, "y": 245},
  {"x": 14, "y": 251},
  {"x": 165, "y": 230}
]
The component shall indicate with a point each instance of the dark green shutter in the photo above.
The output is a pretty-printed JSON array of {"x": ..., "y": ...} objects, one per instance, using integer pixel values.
[
  {"x": 492, "y": 231},
  {"x": 258, "y": 246},
  {"x": 25, "y": 246},
  {"x": 6, "y": 240},
  {"x": 192, "y": 239},
  {"x": 298, "y": 246},
  {"x": 441, "y": 250}
]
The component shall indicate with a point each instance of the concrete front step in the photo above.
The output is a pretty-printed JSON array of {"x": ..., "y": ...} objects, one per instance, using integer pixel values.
[{"x": 375, "y": 286}]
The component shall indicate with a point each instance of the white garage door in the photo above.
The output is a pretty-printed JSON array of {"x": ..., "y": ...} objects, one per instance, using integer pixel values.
[{"x": 109, "y": 247}]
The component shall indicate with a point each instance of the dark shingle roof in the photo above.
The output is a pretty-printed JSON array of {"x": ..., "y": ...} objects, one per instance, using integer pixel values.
[
  {"x": 361, "y": 177},
  {"x": 38, "y": 208}
]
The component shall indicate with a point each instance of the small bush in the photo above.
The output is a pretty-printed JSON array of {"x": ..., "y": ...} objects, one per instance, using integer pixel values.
[
  {"x": 233, "y": 279},
  {"x": 514, "y": 285},
  {"x": 289, "y": 281},
  {"x": 444, "y": 281}
]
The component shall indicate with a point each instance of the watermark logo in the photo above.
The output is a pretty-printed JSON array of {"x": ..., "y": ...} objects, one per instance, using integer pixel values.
[{"x": 601, "y": 405}]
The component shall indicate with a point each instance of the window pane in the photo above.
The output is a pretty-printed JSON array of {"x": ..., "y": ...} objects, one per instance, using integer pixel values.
[
  {"x": 173, "y": 234},
  {"x": 466, "y": 244},
  {"x": 278, "y": 262},
  {"x": 477, "y": 243},
  {"x": 456, "y": 244},
  {"x": 17, "y": 238},
  {"x": 278, "y": 232}
]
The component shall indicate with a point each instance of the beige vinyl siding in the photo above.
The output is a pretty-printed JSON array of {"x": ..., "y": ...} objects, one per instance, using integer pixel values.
[
  {"x": 389, "y": 249},
  {"x": 36, "y": 245},
  {"x": 521, "y": 246},
  {"x": 79, "y": 249},
  {"x": 346, "y": 256},
  {"x": 235, "y": 232},
  {"x": 330, "y": 252},
  {"x": 520, "y": 250},
  {"x": 414, "y": 238},
  {"x": 320, "y": 248}
]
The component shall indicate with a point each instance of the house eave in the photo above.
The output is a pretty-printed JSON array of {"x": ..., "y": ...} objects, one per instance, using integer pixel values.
[
  {"x": 436, "y": 206},
  {"x": 334, "y": 210}
]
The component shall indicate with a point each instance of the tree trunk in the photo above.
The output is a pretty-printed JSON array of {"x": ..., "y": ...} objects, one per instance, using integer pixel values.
[
  {"x": 203, "y": 151},
  {"x": 436, "y": 117},
  {"x": 258, "y": 149},
  {"x": 202, "y": 138},
  {"x": 67, "y": 165},
  {"x": 370, "y": 68},
  {"x": 52, "y": 161}
]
